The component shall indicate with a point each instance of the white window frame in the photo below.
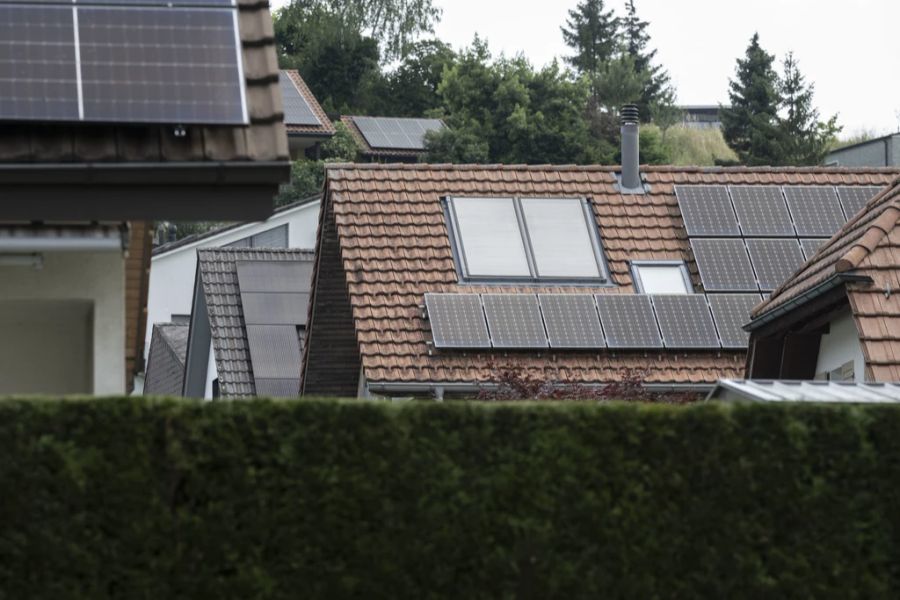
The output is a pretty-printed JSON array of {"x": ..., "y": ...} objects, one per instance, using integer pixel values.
[
  {"x": 680, "y": 264},
  {"x": 459, "y": 252}
]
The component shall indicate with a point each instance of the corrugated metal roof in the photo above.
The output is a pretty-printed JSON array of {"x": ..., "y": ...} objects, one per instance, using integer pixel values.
[{"x": 805, "y": 391}]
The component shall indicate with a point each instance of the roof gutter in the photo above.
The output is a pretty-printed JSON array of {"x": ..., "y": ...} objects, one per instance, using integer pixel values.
[
  {"x": 818, "y": 290},
  {"x": 153, "y": 173}
]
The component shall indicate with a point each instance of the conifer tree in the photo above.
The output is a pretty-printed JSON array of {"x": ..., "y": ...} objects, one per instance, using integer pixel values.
[
  {"x": 806, "y": 139},
  {"x": 657, "y": 86},
  {"x": 591, "y": 32}
]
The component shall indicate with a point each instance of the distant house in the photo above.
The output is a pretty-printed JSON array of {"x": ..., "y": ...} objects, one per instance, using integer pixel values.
[
  {"x": 701, "y": 116},
  {"x": 306, "y": 123},
  {"x": 878, "y": 152},
  {"x": 430, "y": 279},
  {"x": 838, "y": 317},
  {"x": 248, "y": 323},
  {"x": 89, "y": 155},
  {"x": 389, "y": 139}
]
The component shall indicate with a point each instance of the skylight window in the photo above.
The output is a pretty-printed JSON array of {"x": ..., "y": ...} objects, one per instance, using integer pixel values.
[
  {"x": 661, "y": 277},
  {"x": 526, "y": 239}
]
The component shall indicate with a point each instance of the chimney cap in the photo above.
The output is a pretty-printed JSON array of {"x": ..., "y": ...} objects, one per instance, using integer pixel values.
[{"x": 629, "y": 114}]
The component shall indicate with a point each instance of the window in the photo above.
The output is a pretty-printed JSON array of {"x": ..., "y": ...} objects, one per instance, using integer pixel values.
[
  {"x": 661, "y": 277},
  {"x": 526, "y": 239}
]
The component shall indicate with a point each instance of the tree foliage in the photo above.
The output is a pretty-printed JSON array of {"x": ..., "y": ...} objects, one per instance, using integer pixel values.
[
  {"x": 592, "y": 33},
  {"x": 807, "y": 139},
  {"x": 656, "y": 94},
  {"x": 308, "y": 176}
]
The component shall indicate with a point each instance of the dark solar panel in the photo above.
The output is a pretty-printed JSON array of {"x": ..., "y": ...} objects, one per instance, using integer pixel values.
[
  {"x": 274, "y": 351},
  {"x": 761, "y": 210},
  {"x": 685, "y": 321},
  {"x": 159, "y": 65},
  {"x": 854, "y": 198},
  {"x": 706, "y": 210},
  {"x": 277, "y": 388},
  {"x": 731, "y": 312},
  {"x": 628, "y": 321},
  {"x": 571, "y": 321},
  {"x": 815, "y": 209},
  {"x": 811, "y": 245},
  {"x": 514, "y": 321},
  {"x": 38, "y": 73},
  {"x": 457, "y": 321},
  {"x": 774, "y": 260},
  {"x": 274, "y": 308},
  {"x": 396, "y": 134},
  {"x": 274, "y": 276},
  {"x": 297, "y": 110},
  {"x": 724, "y": 265}
]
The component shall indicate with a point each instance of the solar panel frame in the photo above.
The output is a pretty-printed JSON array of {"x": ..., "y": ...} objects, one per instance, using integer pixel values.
[
  {"x": 724, "y": 265},
  {"x": 571, "y": 321},
  {"x": 816, "y": 210},
  {"x": 297, "y": 111},
  {"x": 774, "y": 260},
  {"x": 810, "y": 246},
  {"x": 855, "y": 198},
  {"x": 685, "y": 321},
  {"x": 707, "y": 210},
  {"x": 457, "y": 320},
  {"x": 514, "y": 321},
  {"x": 628, "y": 321},
  {"x": 390, "y": 133},
  {"x": 761, "y": 210},
  {"x": 730, "y": 313}
]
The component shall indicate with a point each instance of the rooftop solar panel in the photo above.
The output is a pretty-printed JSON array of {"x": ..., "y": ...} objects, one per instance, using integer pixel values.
[
  {"x": 457, "y": 321},
  {"x": 571, "y": 321},
  {"x": 514, "y": 321},
  {"x": 685, "y": 321},
  {"x": 395, "y": 133},
  {"x": 628, "y": 321},
  {"x": 761, "y": 210},
  {"x": 297, "y": 110},
  {"x": 774, "y": 260},
  {"x": 707, "y": 210},
  {"x": 274, "y": 308},
  {"x": 724, "y": 265},
  {"x": 274, "y": 276},
  {"x": 730, "y": 313},
  {"x": 811, "y": 245},
  {"x": 38, "y": 72},
  {"x": 274, "y": 351},
  {"x": 277, "y": 388},
  {"x": 815, "y": 209},
  {"x": 854, "y": 198}
]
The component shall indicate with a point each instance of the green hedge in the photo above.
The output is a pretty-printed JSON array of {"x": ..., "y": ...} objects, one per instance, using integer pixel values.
[{"x": 322, "y": 499}]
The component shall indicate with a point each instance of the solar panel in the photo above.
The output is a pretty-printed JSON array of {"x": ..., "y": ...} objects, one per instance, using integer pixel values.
[
  {"x": 685, "y": 321},
  {"x": 297, "y": 110},
  {"x": 724, "y": 265},
  {"x": 277, "y": 388},
  {"x": 706, "y": 210},
  {"x": 730, "y": 313},
  {"x": 274, "y": 351},
  {"x": 160, "y": 65},
  {"x": 274, "y": 276},
  {"x": 761, "y": 210},
  {"x": 274, "y": 308},
  {"x": 628, "y": 321},
  {"x": 394, "y": 133},
  {"x": 815, "y": 209},
  {"x": 854, "y": 198},
  {"x": 457, "y": 321},
  {"x": 774, "y": 260},
  {"x": 38, "y": 73},
  {"x": 571, "y": 321},
  {"x": 811, "y": 245},
  {"x": 514, "y": 321}
]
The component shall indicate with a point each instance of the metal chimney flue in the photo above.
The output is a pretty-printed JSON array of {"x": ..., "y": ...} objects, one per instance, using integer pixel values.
[{"x": 631, "y": 171}]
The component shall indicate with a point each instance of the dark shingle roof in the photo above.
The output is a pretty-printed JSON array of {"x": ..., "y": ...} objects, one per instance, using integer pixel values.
[{"x": 165, "y": 364}]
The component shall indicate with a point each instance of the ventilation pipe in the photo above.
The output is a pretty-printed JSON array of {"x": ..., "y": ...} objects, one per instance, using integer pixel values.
[{"x": 631, "y": 172}]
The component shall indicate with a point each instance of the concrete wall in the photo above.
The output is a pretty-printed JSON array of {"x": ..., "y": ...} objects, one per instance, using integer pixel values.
[
  {"x": 73, "y": 291},
  {"x": 840, "y": 346},
  {"x": 172, "y": 274},
  {"x": 881, "y": 152}
]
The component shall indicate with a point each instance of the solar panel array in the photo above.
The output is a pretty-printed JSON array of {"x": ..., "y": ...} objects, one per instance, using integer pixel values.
[
  {"x": 774, "y": 230},
  {"x": 394, "y": 133},
  {"x": 586, "y": 321},
  {"x": 297, "y": 110},
  {"x": 157, "y": 62}
]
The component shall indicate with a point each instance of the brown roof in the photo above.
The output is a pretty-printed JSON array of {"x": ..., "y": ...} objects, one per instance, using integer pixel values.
[
  {"x": 868, "y": 245},
  {"x": 326, "y": 128},
  {"x": 379, "y": 153},
  {"x": 383, "y": 243}
]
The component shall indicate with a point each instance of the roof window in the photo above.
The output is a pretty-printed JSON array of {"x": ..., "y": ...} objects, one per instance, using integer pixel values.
[{"x": 661, "y": 277}]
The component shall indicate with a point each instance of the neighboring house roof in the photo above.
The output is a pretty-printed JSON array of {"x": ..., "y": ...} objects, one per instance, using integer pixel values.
[
  {"x": 805, "y": 391},
  {"x": 384, "y": 242},
  {"x": 325, "y": 128},
  {"x": 218, "y": 275},
  {"x": 199, "y": 237},
  {"x": 384, "y": 154},
  {"x": 867, "y": 248},
  {"x": 165, "y": 365}
]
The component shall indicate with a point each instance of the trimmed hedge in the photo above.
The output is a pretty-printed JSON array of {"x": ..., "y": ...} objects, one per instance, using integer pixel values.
[{"x": 116, "y": 498}]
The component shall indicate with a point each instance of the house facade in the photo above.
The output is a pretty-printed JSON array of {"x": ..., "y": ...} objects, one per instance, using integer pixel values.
[{"x": 879, "y": 152}]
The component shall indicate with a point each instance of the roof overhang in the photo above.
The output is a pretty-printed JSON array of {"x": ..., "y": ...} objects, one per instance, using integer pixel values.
[{"x": 53, "y": 238}]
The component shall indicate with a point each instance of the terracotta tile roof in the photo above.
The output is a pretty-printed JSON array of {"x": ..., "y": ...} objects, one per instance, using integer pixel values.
[
  {"x": 379, "y": 153},
  {"x": 386, "y": 226},
  {"x": 869, "y": 245},
  {"x": 326, "y": 128}
]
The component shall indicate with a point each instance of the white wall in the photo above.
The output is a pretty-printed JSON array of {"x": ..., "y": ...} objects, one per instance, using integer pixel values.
[
  {"x": 66, "y": 280},
  {"x": 172, "y": 274},
  {"x": 840, "y": 346}
]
